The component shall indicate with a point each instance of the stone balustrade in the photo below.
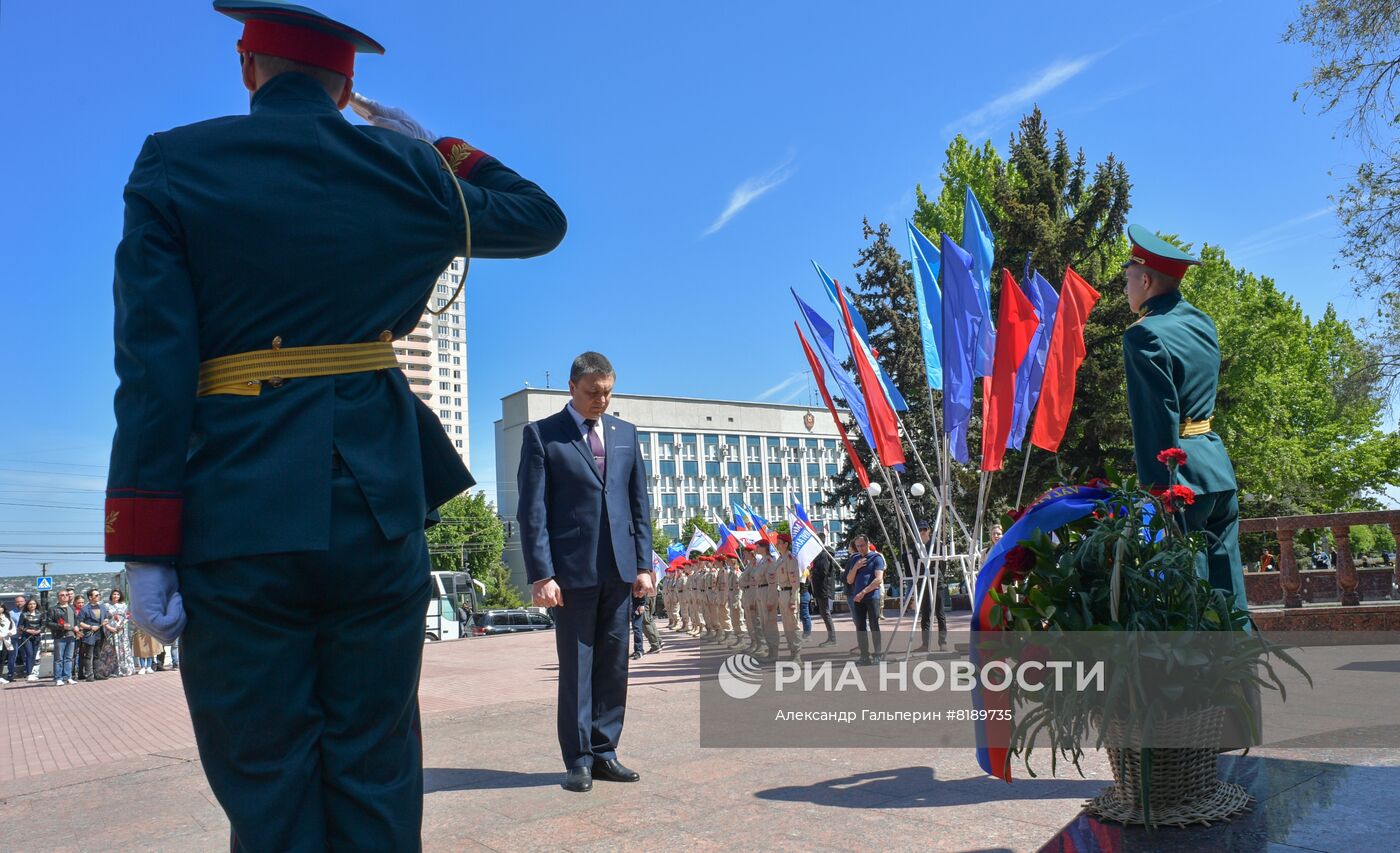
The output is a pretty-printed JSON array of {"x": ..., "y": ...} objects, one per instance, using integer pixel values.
[{"x": 1340, "y": 523}]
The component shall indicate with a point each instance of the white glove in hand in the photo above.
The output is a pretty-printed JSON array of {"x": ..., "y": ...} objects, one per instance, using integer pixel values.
[
  {"x": 156, "y": 606},
  {"x": 389, "y": 118}
]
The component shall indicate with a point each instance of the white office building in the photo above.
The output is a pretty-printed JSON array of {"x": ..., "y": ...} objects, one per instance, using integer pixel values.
[
  {"x": 698, "y": 454},
  {"x": 434, "y": 358}
]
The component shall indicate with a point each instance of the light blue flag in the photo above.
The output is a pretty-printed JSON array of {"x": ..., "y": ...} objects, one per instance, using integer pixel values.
[
  {"x": 977, "y": 242},
  {"x": 1032, "y": 370},
  {"x": 926, "y": 263},
  {"x": 962, "y": 319},
  {"x": 886, "y": 381}
]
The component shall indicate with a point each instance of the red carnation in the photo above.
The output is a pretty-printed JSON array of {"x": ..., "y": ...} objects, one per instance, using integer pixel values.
[
  {"x": 1099, "y": 483},
  {"x": 1015, "y": 514},
  {"x": 1019, "y": 562},
  {"x": 1172, "y": 456},
  {"x": 1175, "y": 497}
]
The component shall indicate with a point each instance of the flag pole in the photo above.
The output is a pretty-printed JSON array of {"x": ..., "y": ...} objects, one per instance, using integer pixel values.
[{"x": 1025, "y": 463}]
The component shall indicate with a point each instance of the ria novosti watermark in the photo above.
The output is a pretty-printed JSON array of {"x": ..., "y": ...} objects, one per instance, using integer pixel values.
[{"x": 939, "y": 699}]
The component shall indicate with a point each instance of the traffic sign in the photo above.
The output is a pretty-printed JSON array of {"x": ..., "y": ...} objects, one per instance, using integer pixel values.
[{"x": 44, "y": 582}]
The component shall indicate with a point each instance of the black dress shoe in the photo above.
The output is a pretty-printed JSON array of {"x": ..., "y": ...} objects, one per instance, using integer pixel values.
[
  {"x": 613, "y": 771},
  {"x": 580, "y": 779},
  {"x": 654, "y": 649}
]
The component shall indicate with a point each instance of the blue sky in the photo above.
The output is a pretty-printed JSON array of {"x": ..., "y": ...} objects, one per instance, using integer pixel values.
[{"x": 703, "y": 154}]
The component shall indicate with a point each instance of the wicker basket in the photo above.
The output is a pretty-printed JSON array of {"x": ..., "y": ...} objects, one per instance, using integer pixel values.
[{"x": 1183, "y": 787}]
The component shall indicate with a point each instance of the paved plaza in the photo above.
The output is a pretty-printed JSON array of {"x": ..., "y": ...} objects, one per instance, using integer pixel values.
[{"x": 119, "y": 756}]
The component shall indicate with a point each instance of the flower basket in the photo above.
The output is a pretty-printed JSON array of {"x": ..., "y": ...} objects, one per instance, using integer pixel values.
[
  {"x": 1181, "y": 783},
  {"x": 1125, "y": 585}
]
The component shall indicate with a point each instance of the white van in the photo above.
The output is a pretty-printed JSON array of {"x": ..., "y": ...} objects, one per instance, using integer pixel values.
[{"x": 454, "y": 600}]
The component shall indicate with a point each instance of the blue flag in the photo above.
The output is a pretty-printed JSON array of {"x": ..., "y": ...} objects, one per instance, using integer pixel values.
[
  {"x": 674, "y": 550},
  {"x": 926, "y": 262},
  {"x": 1032, "y": 371},
  {"x": 845, "y": 385},
  {"x": 886, "y": 381},
  {"x": 961, "y": 321},
  {"x": 977, "y": 241},
  {"x": 820, "y": 328}
]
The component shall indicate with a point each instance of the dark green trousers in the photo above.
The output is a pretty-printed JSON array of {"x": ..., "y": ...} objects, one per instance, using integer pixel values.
[
  {"x": 301, "y": 673},
  {"x": 1217, "y": 514}
]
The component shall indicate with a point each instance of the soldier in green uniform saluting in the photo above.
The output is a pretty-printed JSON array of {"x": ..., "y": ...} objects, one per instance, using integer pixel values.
[
  {"x": 1172, "y": 359},
  {"x": 272, "y": 469}
]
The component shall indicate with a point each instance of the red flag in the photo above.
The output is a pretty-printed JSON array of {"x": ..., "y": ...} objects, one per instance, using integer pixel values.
[
  {"x": 1016, "y": 325},
  {"x": 820, "y": 376},
  {"x": 1062, "y": 362},
  {"x": 884, "y": 424}
]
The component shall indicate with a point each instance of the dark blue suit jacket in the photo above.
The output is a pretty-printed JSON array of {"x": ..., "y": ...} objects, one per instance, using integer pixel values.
[
  {"x": 562, "y": 499},
  {"x": 288, "y": 222}
]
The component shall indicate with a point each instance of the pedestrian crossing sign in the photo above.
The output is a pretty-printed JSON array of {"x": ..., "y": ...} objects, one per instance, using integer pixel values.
[{"x": 43, "y": 583}]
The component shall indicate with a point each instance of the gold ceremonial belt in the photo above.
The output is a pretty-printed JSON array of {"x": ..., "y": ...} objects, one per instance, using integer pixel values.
[
  {"x": 243, "y": 374},
  {"x": 1189, "y": 428}
]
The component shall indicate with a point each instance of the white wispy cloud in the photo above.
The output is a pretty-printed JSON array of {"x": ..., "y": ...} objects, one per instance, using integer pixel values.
[
  {"x": 790, "y": 385},
  {"x": 1275, "y": 235},
  {"x": 749, "y": 191},
  {"x": 980, "y": 121}
]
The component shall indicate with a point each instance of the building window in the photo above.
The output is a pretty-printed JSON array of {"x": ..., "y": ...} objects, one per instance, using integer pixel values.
[
  {"x": 811, "y": 442},
  {"x": 442, "y": 386},
  {"x": 456, "y": 359},
  {"x": 442, "y": 288},
  {"x": 692, "y": 499},
  {"x": 753, "y": 441},
  {"x": 755, "y": 469},
  {"x": 668, "y": 468},
  {"x": 775, "y": 469},
  {"x": 459, "y": 442},
  {"x": 794, "y": 470},
  {"x": 711, "y": 441},
  {"x": 457, "y": 387},
  {"x": 457, "y": 415},
  {"x": 711, "y": 469},
  {"x": 444, "y": 400},
  {"x": 814, "y": 499},
  {"x": 690, "y": 468},
  {"x": 774, "y": 441},
  {"x": 664, "y": 438},
  {"x": 444, "y": 414},
  {"x": 643, "y": 438},
  {"x": 687, "y": 438},
  {"x": 714, "y": 499},
  {"x": 829, "y": 443},
  {"x": 456, "y": 401},
  {"x": 442, "y": 371},
  {"x": 669, "y": 499},
  {"x": 813, "y": 470},
  {"x": 733, "y": 469},
  {"x": 672, "y": 531},
  {"x": 731, "y": 440},
  {"x": 831, "y": 469},
  {"x": 442, "y": 356},
  {"x": 777, "y": 502},
  {"x": 756, "y": 499}
]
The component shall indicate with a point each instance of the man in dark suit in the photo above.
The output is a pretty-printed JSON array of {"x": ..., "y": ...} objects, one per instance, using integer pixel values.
[
  {"x": 585, "y": 530},
  {"x": 271, "y": 462}
]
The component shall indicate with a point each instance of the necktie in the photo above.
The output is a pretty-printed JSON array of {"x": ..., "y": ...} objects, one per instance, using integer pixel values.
[{"x": 595, "y": 446}]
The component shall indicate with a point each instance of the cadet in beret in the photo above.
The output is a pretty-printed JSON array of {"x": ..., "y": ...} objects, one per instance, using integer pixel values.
[
  {"x": 1172, "y": 359},
  {"x": 271, "y": 463}
]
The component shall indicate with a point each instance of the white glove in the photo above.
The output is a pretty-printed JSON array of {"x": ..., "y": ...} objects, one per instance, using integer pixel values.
[
  {"x": 156, "y": 606},
  {"x": 389, "y": 118}
]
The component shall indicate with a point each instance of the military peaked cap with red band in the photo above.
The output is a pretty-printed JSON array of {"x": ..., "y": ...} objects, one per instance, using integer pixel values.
[
  {"x": 297, "y": 33},
  {"x": 1157, "y": 254}
]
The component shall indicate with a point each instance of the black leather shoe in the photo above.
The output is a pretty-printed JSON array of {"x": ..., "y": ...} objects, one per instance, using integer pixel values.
[
  {"x": 580, "y": 779},
  {"x": 613, "y": 771},
  {"x": 654, "y": 649}
]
